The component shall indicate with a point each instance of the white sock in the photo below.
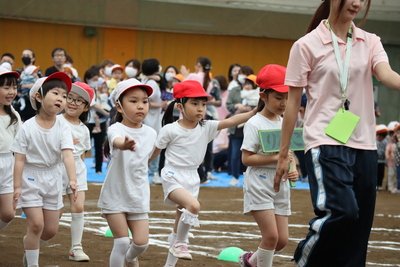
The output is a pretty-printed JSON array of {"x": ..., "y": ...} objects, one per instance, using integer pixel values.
[
  {"x": 265, "y": 257},
  {"x": 253, "y": 259},
  {"x": 3, "y": 224},
  {"x": 187, "y": 220},
  {"x": 171, "y": 260},
  {"x": 171, "y": 238},
  {"x": 134, "y": 251},
  {"x": 32, "y": 257},
  {"x": 121, "y": 246},
  {"x": 76, "y": 228}
]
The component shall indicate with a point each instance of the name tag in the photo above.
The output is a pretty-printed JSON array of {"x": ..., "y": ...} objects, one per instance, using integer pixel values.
[{"x": 342, "y": 126}]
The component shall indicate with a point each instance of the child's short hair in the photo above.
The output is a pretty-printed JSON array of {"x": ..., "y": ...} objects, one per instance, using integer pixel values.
[{"x": 45, "y": 84}]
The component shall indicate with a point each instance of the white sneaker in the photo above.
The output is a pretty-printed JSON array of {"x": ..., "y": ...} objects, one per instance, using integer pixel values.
[
  {"x": 233, "y": 181},
  {"x": 134, "y": 263},
  {"x": 181, "y": 251},
  {"x": 77, "y": 254},
  {"x": 156, "y": 179}
]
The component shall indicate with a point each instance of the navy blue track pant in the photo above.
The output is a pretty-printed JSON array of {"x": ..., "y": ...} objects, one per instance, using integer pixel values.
[{"x": 343, "y": 191}]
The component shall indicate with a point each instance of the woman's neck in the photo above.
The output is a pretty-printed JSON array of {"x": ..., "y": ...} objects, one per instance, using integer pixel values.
[{"x": 340, "y": 29}]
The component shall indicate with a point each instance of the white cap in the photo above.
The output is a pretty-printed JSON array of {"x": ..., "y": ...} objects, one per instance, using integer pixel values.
[
  {"x": 392, "y": 125},
  {"x": 127, "y": 84},
  {"x": 4, "y": 71}
]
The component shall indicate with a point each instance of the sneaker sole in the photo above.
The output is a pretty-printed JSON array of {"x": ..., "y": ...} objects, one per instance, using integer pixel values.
[
  {"x": 78, "y": 260},
  {"x": 188, "y": 257}
]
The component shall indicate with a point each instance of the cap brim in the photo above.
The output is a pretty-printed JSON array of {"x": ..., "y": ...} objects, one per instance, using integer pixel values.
[
  {"x": 280, "y": 88},
  {"x": 14, "y": 73}
]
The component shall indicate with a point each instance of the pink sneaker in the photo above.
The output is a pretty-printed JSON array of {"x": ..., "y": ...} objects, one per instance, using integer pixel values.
[
  {"x": 181, "y": 251},
  {"x": 244, "y": 259}
]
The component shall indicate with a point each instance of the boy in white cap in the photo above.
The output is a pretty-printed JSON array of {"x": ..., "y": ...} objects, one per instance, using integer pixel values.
[{"x": 41, "y": 145}]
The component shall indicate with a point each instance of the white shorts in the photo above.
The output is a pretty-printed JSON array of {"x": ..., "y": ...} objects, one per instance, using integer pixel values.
[
  {"x": 259, "y": 192},
  {"x": 81, "y": 177},
  {"x": 175, "y": 177},
  {"x": 6, "y": 173},
  {"x": 41, "y": 187},
  {"x": 130, "y": 216}
]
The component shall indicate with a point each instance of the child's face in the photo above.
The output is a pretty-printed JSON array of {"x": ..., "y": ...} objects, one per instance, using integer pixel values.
[
  {"x": 54, "y": 101},
  {"x": 7, "y": 94},
  {"x": 275, "y": 102},
  {"x": 194, "y": 109},
  {"x": 248, "y": 85},
  {"x": 117, "y": 74},
  {"x": 76, "y": 105},
  {"x": 134, "y": 107}
]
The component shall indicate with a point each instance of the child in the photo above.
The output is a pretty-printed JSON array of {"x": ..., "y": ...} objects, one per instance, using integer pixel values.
[
  {"x": 116, "y": 77},
  {"x": 10, "y": 122},
  {"x": 390, "y": 157},
  {"x": 381, "y": 143},
  {"x": 250, "y": 92},
  {"x": 76, "y": 113},
  {"x": 125, "y": 196},
  {"x": 40, "y": 146},
  {"x": 269, "y": 209},
  {"x": 185, "y": 142}
]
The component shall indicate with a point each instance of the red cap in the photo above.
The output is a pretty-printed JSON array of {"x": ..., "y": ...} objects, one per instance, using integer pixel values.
[
  {"x": 83, "y": 90},
  {"x": 272, "y": 76},
  {"x": 189, "y": 88}
]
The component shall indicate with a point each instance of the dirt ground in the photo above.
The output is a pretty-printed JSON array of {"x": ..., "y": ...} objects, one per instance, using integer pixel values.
[{"x": 222, "y": 225}]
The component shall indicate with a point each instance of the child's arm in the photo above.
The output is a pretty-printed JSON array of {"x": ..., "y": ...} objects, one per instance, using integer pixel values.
[
  {"x": 155, "y": 153},
  {"x": 69, "y": 162},
  {"x": 124, "y": 143},
  {"x": 18, "y": 168},
  {"x": 236, "y": 119},
  {"x": 253, "y": 159}
]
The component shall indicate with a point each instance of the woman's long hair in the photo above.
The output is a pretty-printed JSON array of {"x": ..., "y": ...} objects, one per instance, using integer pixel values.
[{"x": 324, "y": 8}]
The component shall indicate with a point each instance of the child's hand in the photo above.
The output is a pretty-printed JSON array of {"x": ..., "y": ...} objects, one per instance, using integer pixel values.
[
  {"x": 76, "y": 141},
  {"x": 128, "y": 144},
  {"x": 16, "y": 196},
  {"x": 72, "y": 185}
]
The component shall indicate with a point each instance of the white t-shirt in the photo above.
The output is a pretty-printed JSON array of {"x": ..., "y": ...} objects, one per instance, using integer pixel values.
[
  {"x": 153, "y": 118},
  {"x": 43, "y": 147},
  {"x": 80, "y": 132},
  {"x": 251, "y": 139},
  {"x": 186, "y": 147},
  {"x": 126, "y": 187},
  {"x": 7, "y": 132}
]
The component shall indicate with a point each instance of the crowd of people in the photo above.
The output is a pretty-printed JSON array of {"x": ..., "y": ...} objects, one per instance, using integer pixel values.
[{"x": 174, "y": 127}]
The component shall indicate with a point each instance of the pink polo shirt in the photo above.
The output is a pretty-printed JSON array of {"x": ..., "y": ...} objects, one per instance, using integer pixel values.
[{"x": 312, "y": 65}]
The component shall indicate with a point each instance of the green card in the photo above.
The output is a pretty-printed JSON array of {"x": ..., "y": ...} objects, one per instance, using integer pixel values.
[
  {"x": 271, "y": 139},
  {"x": 342, "y": 126}
]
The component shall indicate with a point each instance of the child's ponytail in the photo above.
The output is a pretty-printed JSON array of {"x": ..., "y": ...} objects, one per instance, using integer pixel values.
[
  {"x": 117, "y": 118},
  {"x": 169, "y": 114}
]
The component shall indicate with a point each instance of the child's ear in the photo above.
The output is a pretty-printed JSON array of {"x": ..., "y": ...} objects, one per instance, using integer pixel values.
[
  {"x": 38, "y": 97},
  {"x": 179, "y": 106},
  {"x": 118, "y": 106}
]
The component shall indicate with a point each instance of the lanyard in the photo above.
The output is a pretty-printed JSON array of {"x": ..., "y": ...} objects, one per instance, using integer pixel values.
[{"x": 343, "y": 67}]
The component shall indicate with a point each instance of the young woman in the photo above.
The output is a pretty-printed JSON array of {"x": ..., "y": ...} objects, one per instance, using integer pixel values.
[{"x": 334, "y": 62}]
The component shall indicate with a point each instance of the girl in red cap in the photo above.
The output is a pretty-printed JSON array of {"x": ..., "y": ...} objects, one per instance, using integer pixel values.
[
  {"x": 75, "y": 115},
  {"x": 41, "y": 145},
  {"x": 185, "y": 142},
  {"x": 10, "y": 122},
  {"x": 269, "y": 209},
  {"x": 334, "y": 62}
]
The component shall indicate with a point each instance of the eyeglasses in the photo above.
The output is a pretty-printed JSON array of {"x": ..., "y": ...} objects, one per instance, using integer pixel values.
[{"x": 77, "y": 101}]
